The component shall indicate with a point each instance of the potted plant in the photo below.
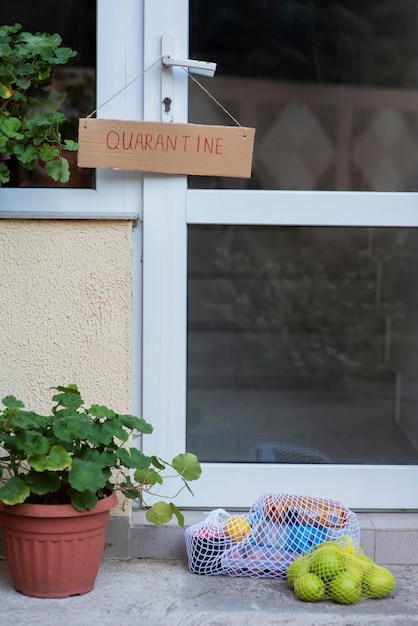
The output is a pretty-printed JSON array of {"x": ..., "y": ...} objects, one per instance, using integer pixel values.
[
  {"x": 59, "y": 476},
  {"x": 30, "y": 119}
]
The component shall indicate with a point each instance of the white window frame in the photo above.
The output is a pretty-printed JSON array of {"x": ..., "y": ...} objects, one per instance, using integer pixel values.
[{"x": 117, "y": 194}]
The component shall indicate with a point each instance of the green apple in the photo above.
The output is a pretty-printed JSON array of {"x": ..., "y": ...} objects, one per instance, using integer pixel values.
[
  {"x": 345, "y": 588},
  {"x": 309, "y": 587},
  {"x": 379, "y": 582},
  {"x": 356, "y": 568},
  {"x": 297, "y": 568},
  {"x": 327, "y": 561}
]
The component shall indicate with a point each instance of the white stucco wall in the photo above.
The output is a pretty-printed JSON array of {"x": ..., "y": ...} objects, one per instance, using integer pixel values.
[{"x": 65, "y": 310}]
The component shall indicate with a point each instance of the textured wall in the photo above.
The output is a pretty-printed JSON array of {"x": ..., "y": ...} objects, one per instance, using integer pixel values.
[{"x": 65, "y": 310}]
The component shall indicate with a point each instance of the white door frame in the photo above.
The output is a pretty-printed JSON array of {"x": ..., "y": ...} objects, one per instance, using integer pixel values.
[{"x": 168, "y": 208}]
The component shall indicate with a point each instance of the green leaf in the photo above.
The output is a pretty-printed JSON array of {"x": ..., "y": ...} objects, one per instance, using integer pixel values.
[
  {"x": 86, "y": 476},
  {"x": 42, "y": 483},
  {"x": 15, "y": 491},
  {"x": 133, "y": 458},
  {"x": 101, "y": 411},
  {"x": 11, "y": 126},
  {"x": 68, "y": 398},
  {"x": 187, "y": 465},
  {"x": 160, "y": 513},
  {"x": 59, "y": 170},
  {"x": 157, "y": 463},
  {"x": 117, "y": 429},
  {"x": 63, "y": 55},
  {"x": 101, "y": 434},
  {"x": 178, "y": 514},
  {"x": 5, "y": 91},
  {"x": 29, "y": 419},
  {"x": 9, "y": 443},
  {"x": 31, "y": 442},
  {"x": 40, "y": 41},
  {"x": 72, "y": 426},
  {"x": 43, "y": 115},
  {"x": 148, "y": 476},
  {"x": 84, "y": 500},
  {"x": 4, "y": 173},
  {"x": 136, "y": 423},
  {"x": 47, "y": 152},
  {"x": 3, "y": 143},
  {"x": 6, "y": 31},
  {"x": 71, "y": 145},
  {"x": 27, "y": 155},
  {"x": 106, "y": 459},
  {"x": 58, "y": 459},
  {"x": 12, "y": 403},
  {"x": 44, "y": 73},
  {"x": 23, "y": 83}
]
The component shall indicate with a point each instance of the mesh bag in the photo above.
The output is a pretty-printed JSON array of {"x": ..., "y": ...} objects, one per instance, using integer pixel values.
[
  {"x": 339, "y": 570},
  {"x": 266, "y": 540}
]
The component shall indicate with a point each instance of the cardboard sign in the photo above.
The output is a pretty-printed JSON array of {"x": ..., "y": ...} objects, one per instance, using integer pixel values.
[{"x": 166, "y": 148}]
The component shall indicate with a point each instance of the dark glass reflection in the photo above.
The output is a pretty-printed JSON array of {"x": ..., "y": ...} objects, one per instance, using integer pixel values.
[
  {"x": 75, "y": 21},
  {"x": 330, "y": 87},
  {"x": 302, "y": 344}
]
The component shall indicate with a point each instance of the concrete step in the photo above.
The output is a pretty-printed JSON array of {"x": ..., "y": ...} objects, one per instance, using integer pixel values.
[
  {"x": 388, "y": 538},
  {"x": 157, "y": 593}
]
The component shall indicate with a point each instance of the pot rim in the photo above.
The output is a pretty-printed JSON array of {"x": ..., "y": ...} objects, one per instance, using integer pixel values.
[{"x": 57, "y": 510}]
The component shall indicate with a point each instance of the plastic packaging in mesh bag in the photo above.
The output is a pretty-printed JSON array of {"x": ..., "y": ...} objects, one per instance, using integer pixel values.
[
  {"x": 339, "y": 570},
  {"x": 265, "y": 541}
]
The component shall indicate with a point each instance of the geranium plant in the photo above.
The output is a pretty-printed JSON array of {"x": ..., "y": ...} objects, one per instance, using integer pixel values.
[
  {"x": 30, "y": 119},
  {"x": 78, "y": 455}
]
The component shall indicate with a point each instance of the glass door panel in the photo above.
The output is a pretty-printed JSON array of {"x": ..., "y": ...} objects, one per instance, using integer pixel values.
[
  {"x": 330, "y": 86},
  {"x": 302, "y": 344}
]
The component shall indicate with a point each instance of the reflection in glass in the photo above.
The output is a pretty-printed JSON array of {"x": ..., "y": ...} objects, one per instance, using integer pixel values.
[
  {"x": 76, "y": 23},
  {"x": 330, "y": 86},
  {"x": 302, "y": 344}
]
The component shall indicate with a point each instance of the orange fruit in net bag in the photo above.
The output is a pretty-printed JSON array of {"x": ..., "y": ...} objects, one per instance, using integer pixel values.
[
  {"x": 332, "y": 515},
  {"x": 278, "y": 507},
  {"x": 237, "y": 527},
  {"x": 305, "y": 509}
]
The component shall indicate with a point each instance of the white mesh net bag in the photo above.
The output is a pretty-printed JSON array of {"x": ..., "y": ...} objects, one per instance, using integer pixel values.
[{"x": 266, "y": 540}]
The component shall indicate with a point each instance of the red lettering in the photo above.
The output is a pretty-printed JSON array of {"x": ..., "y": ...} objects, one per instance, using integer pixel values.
[
  {"x": 129, "y": 146},
  {"x": 186, "y": 138},
  {"x": 172, "y": 142},
  {"x": 148, "y": 139},
  {"x": 138, "y": 141},
  {"x": 112, "y": 140},
  {"x": 208, "y": 145},
  {"x": 159, "y": 142},
  {"x": 218, "y": 146}
]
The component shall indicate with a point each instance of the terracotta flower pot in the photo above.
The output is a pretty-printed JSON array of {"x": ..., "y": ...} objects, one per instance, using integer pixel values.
[{"x": 54, "y": 551}]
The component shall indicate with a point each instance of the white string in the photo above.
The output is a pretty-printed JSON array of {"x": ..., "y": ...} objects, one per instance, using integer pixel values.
[
  {"x": 125, "y": 87},
  {"x": 190, "y": 76},
  {"x": 212, "y": 97}
]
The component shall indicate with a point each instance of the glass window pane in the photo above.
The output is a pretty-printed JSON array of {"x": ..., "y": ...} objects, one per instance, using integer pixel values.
[
  {"x": 302, "y": 344},
  {"x": 76, "y": 23},
  {"x": 330, "y": 86}
]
